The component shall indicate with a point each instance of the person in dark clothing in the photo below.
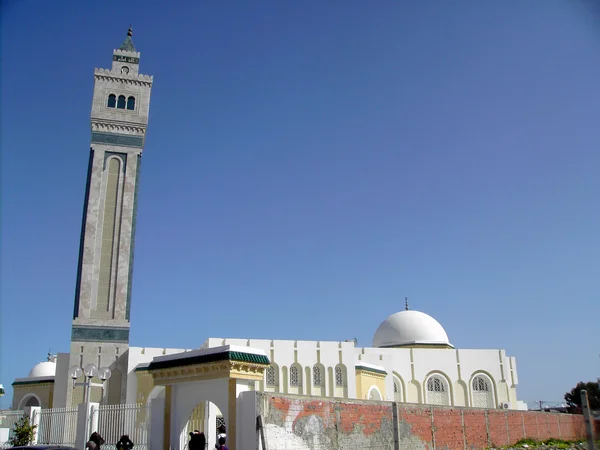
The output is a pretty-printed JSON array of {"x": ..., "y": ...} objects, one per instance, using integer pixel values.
[
  {"x": 197, "y": 440},
  {"x": 96, "y": 439},
  {"x": 124, "y": 443},
  {"x": 221, "y": 445},
  {"x": 221, "y": 433}
]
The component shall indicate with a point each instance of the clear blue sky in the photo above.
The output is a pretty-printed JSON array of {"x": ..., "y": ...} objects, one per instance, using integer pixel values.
[{"x": 308, "y": 164}]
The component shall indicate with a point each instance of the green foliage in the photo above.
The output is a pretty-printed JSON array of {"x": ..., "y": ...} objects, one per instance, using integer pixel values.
[
  {"x": 523, "y": 442},
  {"x": 573, "y": 398},
  {"x": 23, "y": 432},
  {"x": 549, "y": 443}
]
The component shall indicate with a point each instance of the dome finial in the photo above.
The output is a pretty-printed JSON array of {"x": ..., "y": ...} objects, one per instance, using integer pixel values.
[
  {"x": 130, "y": 31},
  {"x": 406, "y": 303}
]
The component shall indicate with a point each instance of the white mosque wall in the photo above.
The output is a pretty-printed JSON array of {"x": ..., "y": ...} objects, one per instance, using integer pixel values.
[
  {"x": 305, "y": 354},
  {"x": 410, "y": 368},
  {"x": 142, "y": 356},
  {"x": 456, "y": 367}
]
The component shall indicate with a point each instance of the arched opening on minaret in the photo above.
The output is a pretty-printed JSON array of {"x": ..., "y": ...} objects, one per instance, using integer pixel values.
[{"x": 131, "y": 103}]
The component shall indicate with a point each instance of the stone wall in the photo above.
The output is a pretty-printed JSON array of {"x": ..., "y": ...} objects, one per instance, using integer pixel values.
[{"x": 310, "y": 423}]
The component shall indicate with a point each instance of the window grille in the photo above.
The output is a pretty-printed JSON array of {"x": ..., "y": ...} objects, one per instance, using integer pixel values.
[
  {"x": 437, "y": 393},
  {"x": 339, "y": 376},
  {"x": 220, "y": 420},
  {"x": 483, "y": 397},
  {"x": 294, "y": 376},
  {"x": 271, "y": 376},
  {"x": 397, "y": 390},
  {"x": 317, "y": 376}
]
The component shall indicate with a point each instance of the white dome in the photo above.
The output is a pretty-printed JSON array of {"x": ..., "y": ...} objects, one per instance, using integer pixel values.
[
  {"x": 43, "y": 369},
  {"x": 410, "y": 328}
]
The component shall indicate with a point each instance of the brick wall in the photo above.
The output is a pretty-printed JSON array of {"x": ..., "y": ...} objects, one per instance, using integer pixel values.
[{"x": 310, "y": 423}]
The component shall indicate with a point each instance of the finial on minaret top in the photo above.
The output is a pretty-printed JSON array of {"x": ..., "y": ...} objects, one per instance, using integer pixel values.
[
  {"x": 406, "y": 303},
  {"x": 127, "y": 44}
]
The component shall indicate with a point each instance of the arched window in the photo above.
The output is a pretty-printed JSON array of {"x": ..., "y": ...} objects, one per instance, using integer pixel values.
[
  {"x": 397, "y": 390},
  {"x": 121, "y": 102},
  {"x": 340, "y": 376},
  {"x": 131, "y": 103},
  {"x": 318, "y": 378},
  {"x": 437, "y": 391},
  {"x": 271, "y": 376},
  {"x": 295, "y": 376},
  {"x": 483, "y": 396},
  {"x": 112, "y": 101}
]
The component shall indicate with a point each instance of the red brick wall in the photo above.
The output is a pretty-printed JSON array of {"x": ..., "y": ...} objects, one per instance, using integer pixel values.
[{"x": 312, "y": 423}]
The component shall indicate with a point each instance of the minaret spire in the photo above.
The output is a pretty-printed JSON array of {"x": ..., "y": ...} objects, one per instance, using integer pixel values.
[
  {"x": 406, "y": 303},
  {"x": 127, "y": 44}
]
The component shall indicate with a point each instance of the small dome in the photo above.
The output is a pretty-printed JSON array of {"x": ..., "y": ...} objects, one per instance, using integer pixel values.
[
  {"x": 410, "y": 328},
  {"x": 43, "y": 369}
]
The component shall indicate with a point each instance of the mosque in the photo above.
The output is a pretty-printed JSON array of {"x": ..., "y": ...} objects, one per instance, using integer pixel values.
[{"x": 411, "y": 358}]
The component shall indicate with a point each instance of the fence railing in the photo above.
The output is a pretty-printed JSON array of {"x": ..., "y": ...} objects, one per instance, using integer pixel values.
[
  {"x": 8, "y": 420},
  {"x": 57, "y": 426},
  {"x": 116, "y": 420}
]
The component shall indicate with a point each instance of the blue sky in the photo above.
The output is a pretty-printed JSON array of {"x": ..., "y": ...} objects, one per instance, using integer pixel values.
[{"x": 309, "y": 164}]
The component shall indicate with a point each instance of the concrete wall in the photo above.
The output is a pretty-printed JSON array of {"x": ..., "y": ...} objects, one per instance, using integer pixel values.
[{"x": 305, "y": 423}]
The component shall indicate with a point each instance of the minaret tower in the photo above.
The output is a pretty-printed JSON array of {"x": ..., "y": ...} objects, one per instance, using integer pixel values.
[{"x": 100, "y": 332}]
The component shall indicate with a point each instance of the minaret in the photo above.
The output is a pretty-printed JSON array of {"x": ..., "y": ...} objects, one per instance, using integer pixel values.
[{"x": 119, "y": 117}]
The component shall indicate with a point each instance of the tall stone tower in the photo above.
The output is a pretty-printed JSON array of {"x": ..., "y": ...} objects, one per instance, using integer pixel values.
[{"x": 100, "y": 332}]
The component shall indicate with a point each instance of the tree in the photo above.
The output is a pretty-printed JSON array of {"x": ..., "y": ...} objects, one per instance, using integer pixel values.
[
  {"x": 573, "y": 398},
  {"x": 23, "y": 432}
]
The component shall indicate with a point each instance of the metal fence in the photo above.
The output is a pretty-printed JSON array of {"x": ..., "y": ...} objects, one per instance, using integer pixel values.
[
  {"x": 116, "y": 420},
  {"x": 8, "y": 420},
  {"x": 57, "y": 426}
]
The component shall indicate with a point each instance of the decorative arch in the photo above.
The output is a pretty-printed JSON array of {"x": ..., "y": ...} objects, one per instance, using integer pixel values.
[
  {"x": 156, "y": 392},
  {"x": 398, "y": 387},
  {"x": 319, "y": 375},
  {"x": 374, "y": 394},
  {"x": 481, "y": 387},
  {"x": 108, "y": 238},
  {"x": 437, "y": 389},
  {"x": 30, "y": 399},
  {"x": 341, "y": 375},
  {"x": 413, "y": 392},
  {"x": 272, "y": 376},
  {"x": 295, "y": 375},
  {"x": 131, "y": 103},
  {"x": 187, "y": 398}
]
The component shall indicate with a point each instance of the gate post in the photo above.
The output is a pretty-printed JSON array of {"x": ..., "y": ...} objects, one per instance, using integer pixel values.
[
  {"x": 86, "y": 417},
  {"x": 157, "y": 424},
  {"x": 34, "y": 413}
]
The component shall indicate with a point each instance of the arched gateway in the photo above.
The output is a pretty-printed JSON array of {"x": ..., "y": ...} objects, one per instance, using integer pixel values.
[{"x": 218, "y": 375}]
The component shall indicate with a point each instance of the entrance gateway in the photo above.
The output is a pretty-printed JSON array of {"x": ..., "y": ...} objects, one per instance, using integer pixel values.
[{"x": 219, "y": 375}]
